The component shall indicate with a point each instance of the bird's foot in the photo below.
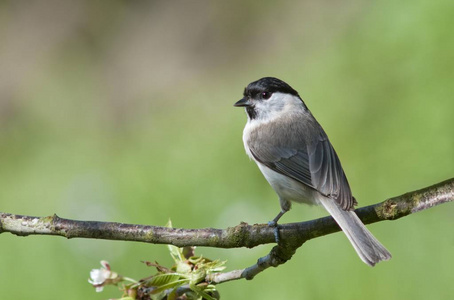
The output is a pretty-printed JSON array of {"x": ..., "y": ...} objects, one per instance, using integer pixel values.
[
  {"x": 273, "y": 223},
  {"x": 276, "y": 226}
]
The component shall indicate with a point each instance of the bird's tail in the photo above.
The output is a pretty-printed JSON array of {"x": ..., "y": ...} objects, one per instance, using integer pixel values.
[{"x": 369, "y": 249}]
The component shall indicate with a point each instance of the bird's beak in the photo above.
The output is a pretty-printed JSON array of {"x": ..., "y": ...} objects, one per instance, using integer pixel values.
[{"x": 243, "y": 103}]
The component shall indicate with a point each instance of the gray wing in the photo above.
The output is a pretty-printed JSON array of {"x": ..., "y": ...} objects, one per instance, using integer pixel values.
[
  {"x": 327, "y": 174},
  {"x": 311, "y": 162}
]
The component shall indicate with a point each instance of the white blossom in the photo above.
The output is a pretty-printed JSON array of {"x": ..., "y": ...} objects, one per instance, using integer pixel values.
[{"x": 103, "y": 276}]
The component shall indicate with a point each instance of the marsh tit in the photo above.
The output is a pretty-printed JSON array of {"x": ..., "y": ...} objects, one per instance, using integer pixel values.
[{"x": 296, "y": 157}]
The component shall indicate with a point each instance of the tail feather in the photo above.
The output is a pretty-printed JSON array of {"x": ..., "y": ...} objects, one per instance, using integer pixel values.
[{"x": 369, "y": 249}]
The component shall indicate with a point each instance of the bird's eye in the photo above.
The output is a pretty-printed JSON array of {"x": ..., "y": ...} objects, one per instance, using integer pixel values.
[{"x": 266, "y": 95}]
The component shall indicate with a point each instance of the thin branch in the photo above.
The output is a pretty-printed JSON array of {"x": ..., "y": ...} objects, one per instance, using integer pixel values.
[{"x": 293, "y": 235}]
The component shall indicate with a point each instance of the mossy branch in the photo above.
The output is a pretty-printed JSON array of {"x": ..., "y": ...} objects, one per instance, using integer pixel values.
[{"x": 292, "y": 235}]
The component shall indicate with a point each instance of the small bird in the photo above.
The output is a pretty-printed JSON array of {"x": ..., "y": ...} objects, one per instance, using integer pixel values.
[{"x": 297, "y": 159}]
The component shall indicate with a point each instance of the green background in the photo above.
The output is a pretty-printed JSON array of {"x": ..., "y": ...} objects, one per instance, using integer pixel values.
[{"x": 122, "y": 111}]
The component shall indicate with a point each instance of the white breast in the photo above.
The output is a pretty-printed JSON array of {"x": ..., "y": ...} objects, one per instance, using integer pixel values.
[
  {"x": 287, "y": 188},
  {"x": 250, "y": 125}
]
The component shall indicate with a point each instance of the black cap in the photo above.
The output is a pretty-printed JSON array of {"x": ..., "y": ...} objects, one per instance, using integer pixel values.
[{"x": 268, "y": 84}]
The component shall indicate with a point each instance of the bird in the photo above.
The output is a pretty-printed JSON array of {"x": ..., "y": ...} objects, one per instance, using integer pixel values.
[{"x": 297, "y": 159}]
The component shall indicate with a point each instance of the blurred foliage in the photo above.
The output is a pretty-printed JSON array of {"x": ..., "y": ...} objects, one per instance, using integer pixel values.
[{"x": 122, "y": 111}]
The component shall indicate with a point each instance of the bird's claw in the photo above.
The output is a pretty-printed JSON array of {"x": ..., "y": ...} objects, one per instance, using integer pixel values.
[{"x": 272, "y": 223}]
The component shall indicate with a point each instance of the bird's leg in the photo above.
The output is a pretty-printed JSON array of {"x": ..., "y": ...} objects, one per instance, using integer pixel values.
[
  {"x": 285, "y": 207},
  {"x": 273, "y": 223}
]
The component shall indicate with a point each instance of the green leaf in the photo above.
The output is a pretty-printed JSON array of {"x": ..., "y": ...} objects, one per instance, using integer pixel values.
[
  {"x": 215, "y": 266},
  {"x": 176, "y": 253},
  {"x": 170, "y": 285},
  {"x": 163, "y": 279},
  {"x": 200, "y": 292}
]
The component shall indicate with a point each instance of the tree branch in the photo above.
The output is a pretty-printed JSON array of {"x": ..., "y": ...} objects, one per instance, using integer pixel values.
[{"x": 293, "y": 235}]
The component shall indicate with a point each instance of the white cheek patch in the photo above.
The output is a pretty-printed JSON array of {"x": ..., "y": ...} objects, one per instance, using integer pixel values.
[{"x": 275, "y": 107}]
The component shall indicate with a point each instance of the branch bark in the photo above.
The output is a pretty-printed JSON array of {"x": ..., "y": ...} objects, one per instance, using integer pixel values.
[{"x": 292, "y": 235}]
